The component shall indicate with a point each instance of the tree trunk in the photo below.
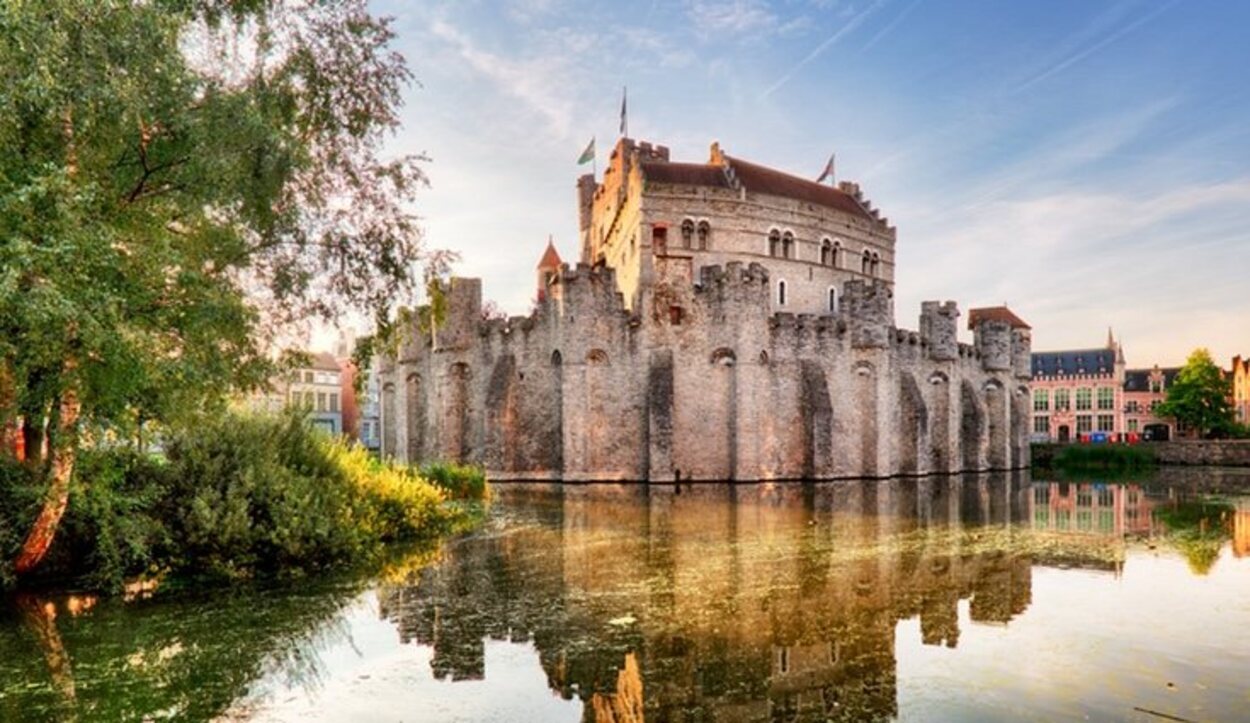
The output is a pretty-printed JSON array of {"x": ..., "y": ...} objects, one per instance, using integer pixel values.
[
  {"x": 62, "y": 452},
  {"x": 33, "y": 440},
  {"x": 9, "y": 429}
]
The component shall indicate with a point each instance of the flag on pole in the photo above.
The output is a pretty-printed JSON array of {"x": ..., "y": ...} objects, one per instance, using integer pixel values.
[
  {"x": 587, "y": 155},
  {"x": 624, "y": 116},
  {"x": 828, "y": 172}
]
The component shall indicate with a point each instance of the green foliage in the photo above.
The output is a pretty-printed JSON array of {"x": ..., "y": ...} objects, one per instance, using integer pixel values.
[
  {"x": 1198, "y": 528},
  {"x": 1116, "y": 458},
  {"x": 243, "y": 496},
  {"x": 1198, "y": 397},
  {"x": 20, "y": 496},
  {"x": 460, "y": 481}
]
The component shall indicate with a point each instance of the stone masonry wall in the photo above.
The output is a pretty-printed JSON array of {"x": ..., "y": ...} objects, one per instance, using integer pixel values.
[{"x": 702, "y": 383}]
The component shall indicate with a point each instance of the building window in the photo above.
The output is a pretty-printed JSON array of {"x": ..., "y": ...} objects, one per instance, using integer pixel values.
[
  {"x": 1062, "y": 403},
  {"x": 833, "y": 300},
  {"x": 687, "y": 233},
  {"x": 1106, "y": 398},
  {"x": 1084, "y": 423},
  {"x": 308, "y": 377},
  {"x": 865, "y": 263},
  {"x": 787, "y": 245},
  {"x": 781, "y": 293},
  {"x": 334, "y": 402},
  {"x": 1041, "y": 400},
  {"x": 1132, "y": 425},
  {"x": 659, "y": 240},
  {"x": 1156, "y": 386},
  {"x": 875, "y": 268},
  {"x": 1084, "y": 399},
  {"x": 308, "y": 400},
  {"x": 705, "y": 235},
  {"x": 321, "y": 401},
  {"x": 1041, "y": 425},
  {"x": 826, "y": 253},
  {"x": 774, "y": 242},
  {"x": 1106, "y": 422},
  {"x": 1132, "y": 407}
]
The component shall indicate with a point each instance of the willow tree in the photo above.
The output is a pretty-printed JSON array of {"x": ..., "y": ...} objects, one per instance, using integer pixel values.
[{"x": 177, "y": 179}]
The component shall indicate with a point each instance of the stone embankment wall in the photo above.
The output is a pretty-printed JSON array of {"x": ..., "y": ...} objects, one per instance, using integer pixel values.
[{"x": 1207, "y": 452}]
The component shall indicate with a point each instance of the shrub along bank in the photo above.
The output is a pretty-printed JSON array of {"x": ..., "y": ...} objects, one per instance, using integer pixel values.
[{"x": 239, "y": 497}]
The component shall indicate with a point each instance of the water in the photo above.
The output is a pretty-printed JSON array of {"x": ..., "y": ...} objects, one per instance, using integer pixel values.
[{"x": 974, "y": 598}]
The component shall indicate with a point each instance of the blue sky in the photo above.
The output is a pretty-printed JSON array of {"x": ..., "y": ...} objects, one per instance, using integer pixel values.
[{"x": 1083, "y": 161}]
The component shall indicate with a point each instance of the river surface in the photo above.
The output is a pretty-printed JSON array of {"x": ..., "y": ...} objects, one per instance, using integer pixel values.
[{"x": 962, "y": 598}]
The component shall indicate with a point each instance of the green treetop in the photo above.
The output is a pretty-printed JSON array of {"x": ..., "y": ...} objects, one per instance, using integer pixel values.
[{"x": 1198, "y": 397}]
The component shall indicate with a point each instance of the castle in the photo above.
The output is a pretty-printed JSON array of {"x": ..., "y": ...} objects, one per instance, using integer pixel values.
[{"x": 726, "y": 321}]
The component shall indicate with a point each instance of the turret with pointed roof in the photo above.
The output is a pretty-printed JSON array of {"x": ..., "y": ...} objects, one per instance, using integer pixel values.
[{"x": 548, "y": 268}]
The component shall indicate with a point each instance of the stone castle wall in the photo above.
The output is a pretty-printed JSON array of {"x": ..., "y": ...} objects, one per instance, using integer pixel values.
[{"x": 704, "y": 383}]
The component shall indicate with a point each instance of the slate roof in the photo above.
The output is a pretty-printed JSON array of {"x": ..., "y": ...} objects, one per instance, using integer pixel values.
[
  {"x": 686, "y": 174},
  {"x": 995, "y": 313},
  {"x": 1138, "y": 380},
  {"x": 1078, "y": 361}
]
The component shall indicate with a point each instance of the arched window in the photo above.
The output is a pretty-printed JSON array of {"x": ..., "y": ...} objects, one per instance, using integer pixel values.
[
  {"x": 865, "y": 264},
  {"x": 705, "y": 234},
  {"x": 837, "y": 250},
  {"x": 833, "y": 300},
  {"x": 876, "y": 263},
  {"x": 781, "y": 293},
  {"x": 774, "y": 242},
  {"x": 687, "y": 233},
  {"x": 787, "y": 245},
  {"x": 826, "y": 253}
]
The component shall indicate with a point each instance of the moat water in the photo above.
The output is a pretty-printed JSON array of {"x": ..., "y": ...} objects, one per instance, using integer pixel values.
[{"x": 969, "y": 598}]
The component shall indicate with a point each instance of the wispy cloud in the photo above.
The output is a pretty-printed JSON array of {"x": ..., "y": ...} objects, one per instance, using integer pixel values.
[
  {"x": 1088, "y": 49},
  {"x": 854, "y": 22},
  {"x": 536, "y": 82},
  {"x": 898, "y": 19},
  {"x": 736, "y": 17}
]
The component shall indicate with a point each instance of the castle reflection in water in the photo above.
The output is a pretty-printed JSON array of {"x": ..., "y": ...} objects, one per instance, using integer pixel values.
[{"x": 752, "y": 602}]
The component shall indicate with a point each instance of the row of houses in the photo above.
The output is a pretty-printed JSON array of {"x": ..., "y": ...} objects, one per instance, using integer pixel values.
[
  {"x": 1086, "y": 392},
  {"x": 325, "y": 387}
]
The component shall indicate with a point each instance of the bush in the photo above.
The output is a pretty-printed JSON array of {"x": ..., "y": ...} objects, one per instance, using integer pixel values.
[
  {"x": 1104, "y": 457},
  {"x": 460, "y": 481},
  {"x": 239, "y": 496}
]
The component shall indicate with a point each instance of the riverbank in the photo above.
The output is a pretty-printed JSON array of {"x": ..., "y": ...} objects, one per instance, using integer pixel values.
[
  {"x": 243, "y": 497},
  {"x": 1180, "y": 453}
]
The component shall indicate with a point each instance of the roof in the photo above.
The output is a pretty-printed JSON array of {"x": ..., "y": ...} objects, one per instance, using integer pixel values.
[
  {"x": 761, "y": 179},
  {"x": 686, "y": 174},
  {"x": 995, "y": 313},
  {"x": 1078, "y": 361},
  {"x": 551, "y": 257},
  {"x": 325, "y": 361},
  {"x": 1138, "y": 380}
]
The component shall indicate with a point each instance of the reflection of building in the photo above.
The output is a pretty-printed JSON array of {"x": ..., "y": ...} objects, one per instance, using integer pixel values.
[
  {"x": 1086, "y": 391},
  {"x": 1241, "y": 527},
  {"x": 725, "y": 603},
  {"x": 1097, "y": 508}
]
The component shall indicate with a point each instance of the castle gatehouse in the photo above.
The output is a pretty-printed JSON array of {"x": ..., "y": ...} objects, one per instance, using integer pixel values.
[{"x": 726, "y": 321}]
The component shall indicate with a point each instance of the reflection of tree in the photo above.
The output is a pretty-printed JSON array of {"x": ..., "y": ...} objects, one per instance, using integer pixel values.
[
  {"x": 749, "y": 602},
  {"x": 188, "y": 656},
  {"x": 1198, "y": 528}
]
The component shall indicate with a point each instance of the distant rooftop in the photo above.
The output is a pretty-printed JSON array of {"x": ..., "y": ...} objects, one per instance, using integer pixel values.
[
  {"x": 1078, "y": 361},
  {"x": 995, "y": 313}
]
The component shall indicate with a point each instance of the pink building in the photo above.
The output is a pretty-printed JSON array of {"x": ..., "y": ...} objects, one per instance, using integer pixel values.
[
  {"x": 1085, "y": 392},
  {"x": 1241, "y": 389}
]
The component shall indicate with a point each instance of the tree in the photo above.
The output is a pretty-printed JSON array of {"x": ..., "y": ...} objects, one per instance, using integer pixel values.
[
  {"x": 178, "y": 178},
  {"x": 1198, "y": 397}
]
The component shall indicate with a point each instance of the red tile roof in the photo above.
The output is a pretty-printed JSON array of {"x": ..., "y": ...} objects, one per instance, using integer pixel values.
[
  {"x": 686, "y": 174},
  {"x": 995, "y": 313},
  {"x": 551, "y": 258},
  {"x": 761, "y": 179}
]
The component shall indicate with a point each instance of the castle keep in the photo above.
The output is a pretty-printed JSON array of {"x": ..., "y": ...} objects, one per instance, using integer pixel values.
[{"x": 726, "y": 321}]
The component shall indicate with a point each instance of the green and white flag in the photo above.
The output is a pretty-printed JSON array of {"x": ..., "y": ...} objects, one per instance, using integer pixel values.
[{"x": 587, "y": 155}]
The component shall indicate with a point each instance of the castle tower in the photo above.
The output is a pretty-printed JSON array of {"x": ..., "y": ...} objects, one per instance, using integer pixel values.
[{"x": 548, "y": 269}]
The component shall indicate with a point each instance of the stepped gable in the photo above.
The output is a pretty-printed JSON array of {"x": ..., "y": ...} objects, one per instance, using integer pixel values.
[{"x": 1138, "y": 380}]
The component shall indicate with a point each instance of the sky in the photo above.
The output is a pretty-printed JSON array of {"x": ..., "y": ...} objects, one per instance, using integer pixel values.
[{"x": 1084, "y": 162}]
